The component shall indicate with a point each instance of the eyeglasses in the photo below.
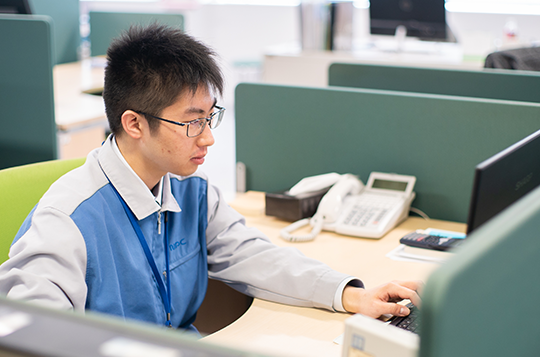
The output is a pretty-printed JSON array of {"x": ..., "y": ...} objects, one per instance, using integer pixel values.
[{"x": 195, "y": 127}]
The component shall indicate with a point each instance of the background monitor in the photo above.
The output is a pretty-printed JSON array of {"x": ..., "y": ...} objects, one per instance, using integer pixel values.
[
  {"x": 425, "y": 19},
  {"x": 503, "y": 179},
  {"x": 15, "y": 7}
]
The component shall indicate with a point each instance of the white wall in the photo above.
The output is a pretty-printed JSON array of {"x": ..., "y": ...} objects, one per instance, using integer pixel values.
[{"x": 239, "y": 34}]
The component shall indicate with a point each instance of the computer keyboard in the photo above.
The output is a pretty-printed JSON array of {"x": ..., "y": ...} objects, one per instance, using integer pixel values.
[{"x": 409, "y": 322}]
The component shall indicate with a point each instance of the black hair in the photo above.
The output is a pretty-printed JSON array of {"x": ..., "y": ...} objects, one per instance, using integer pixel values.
[{"x": 149, "y": 67}]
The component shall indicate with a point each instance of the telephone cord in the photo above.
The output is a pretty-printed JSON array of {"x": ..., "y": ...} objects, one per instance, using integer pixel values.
[{"x": 285, "y": 233}]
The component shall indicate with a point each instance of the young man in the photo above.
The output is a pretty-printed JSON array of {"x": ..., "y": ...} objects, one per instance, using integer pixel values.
[{"x": 136, "y": 231}]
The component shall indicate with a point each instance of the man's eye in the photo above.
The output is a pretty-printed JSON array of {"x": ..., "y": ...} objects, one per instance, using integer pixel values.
[{"x": 197, "y": 123}]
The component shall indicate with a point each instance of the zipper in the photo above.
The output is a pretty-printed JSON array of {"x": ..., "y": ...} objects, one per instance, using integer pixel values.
[{"x": 159, "y": 222}]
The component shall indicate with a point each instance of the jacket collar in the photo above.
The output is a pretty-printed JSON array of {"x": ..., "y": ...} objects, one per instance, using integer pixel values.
[{"x": 137, "y": 196}]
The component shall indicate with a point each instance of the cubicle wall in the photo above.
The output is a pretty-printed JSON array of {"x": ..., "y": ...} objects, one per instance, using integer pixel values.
[
  {"x": 26, "y": 90},
  {"x": 66, "y": 26},
  {"x": 104, "y": 26},
  {"x": 284, "y": 133},
  {"x": 29, "y": 329},
  {"x": 485, "y": 83}
]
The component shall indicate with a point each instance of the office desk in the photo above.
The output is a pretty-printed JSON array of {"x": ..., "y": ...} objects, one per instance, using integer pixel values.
[
  {"x": 80, "y": 116},
  {"x": 288, "y": 64},
  {"x": 295, "y": 331}
]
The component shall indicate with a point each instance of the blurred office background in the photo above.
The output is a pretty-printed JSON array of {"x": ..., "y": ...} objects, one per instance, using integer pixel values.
[{"x": 261, "y": 40}]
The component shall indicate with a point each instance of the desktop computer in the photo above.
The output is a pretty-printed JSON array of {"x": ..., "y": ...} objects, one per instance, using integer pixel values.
[
  {"x": 478, "y": 303},
  {"x": 481, "y": 302},
  {"x": 503, "y": 179},
  {"x": 425, "y": 19},
  {"x": 498, "y": 182}
]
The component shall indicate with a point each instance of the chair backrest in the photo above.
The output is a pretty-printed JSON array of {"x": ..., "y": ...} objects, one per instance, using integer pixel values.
[
  {"x": 28, "y": 131},
  {"x": 104, "y": 26},
  {"x": 525, "y": 59},
  {"x": 21, "y": 188}
]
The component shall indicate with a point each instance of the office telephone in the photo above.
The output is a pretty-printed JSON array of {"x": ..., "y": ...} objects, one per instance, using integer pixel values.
[{"x": 350, "y": 208}]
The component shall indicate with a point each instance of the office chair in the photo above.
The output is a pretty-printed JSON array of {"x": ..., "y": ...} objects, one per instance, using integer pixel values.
[
  {"x": 526, "y": 59},
  {"x": 21, "y": 188}
]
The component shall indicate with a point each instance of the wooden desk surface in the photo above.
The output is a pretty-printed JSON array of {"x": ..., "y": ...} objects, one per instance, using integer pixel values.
[
  {"x": 73, "y": 107},
  {"x": 278, "y": 329}
]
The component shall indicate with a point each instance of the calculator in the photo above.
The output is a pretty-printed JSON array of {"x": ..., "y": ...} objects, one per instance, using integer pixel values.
[{"x": 428, "y": 241}]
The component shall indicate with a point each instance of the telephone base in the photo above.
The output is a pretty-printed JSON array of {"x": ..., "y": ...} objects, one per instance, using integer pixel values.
[{"x": 293, "y": 208}]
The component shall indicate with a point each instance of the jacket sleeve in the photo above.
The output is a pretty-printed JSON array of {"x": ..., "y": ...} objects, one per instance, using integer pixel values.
[
  {"x": 245, "y": 259},
  {"x": 47, "y": 263}
]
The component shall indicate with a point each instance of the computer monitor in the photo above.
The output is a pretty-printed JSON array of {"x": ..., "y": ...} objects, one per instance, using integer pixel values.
[
  {"x": 503, "y": 179},
  {"x": 479, "y": 302},
  {"x": 21, "y": 7},
  {"x": 425, "y": 19}
]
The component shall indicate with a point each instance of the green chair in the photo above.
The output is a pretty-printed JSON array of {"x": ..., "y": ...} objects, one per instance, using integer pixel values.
[{"x": 21, "y": 188}]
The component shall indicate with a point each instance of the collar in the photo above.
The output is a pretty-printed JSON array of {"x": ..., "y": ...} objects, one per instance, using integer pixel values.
[{"x": 133, "y": 190}]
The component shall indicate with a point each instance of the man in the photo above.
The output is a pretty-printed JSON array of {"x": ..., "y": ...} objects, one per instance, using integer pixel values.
[{"x": 136, "y": 231}]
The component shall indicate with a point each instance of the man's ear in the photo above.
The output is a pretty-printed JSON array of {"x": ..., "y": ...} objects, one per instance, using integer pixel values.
[{"x": 133, "y": 123}]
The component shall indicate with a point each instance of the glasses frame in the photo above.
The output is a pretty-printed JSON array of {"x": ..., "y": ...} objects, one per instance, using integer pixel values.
[{"x": 219, "y": 112}]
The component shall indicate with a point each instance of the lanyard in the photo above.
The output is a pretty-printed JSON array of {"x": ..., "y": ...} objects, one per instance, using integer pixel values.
[{"x": 165, "y": 292}]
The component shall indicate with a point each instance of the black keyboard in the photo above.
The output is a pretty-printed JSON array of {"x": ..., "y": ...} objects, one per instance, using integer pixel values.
[{"x": 409, "y": 322}]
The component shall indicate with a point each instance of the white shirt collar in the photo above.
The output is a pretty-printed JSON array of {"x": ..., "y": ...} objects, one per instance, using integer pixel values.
[
  {"x": 132, "y": 188},
  {"x": 158, "y": 190}
]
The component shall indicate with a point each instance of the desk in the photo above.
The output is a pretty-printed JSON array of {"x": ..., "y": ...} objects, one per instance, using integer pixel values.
[
  {"x": 80, "y": 116},
  {"x": 295, "y": 331},
  {"x": 288, "y": 64}
]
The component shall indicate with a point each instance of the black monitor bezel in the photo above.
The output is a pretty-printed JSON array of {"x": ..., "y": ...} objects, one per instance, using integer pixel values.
[
  {"x": 525, "y": 181},
  {"x": 20, "y": 7},
  {"x": 385, "y": 22}
]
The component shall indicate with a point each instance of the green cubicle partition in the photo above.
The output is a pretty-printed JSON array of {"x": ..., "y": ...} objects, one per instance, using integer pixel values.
[
  {"x": 30, "y": 329},
  {"x": 26, "y": 90},
  {"x": 65, "y": 15},
  {"x": 479, "y": 302},
  {"x": 104, "y": 26},
  {"x": 284, "y": 133},
  {"x": 482, "y": 83}
]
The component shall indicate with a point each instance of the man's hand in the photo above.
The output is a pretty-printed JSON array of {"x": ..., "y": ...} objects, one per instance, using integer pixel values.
[{"x": 382, "y": 299}]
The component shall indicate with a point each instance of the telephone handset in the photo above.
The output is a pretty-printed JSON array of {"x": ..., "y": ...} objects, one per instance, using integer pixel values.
[
  {"x": 329, "y": 208},
  {"x": 351, "y": 208}
]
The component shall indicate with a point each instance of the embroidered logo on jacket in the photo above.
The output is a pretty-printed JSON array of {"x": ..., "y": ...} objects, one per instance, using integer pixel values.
[{"x": 177, "y": 244}]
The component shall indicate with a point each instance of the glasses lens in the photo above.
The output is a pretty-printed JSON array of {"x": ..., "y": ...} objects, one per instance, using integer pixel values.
[
  {"x": 196, "y": 127},
  {"x": 216, "y": 118}
]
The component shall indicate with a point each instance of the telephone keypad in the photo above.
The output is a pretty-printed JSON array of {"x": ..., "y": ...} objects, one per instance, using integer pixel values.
[{"x": 370, "y": 210}]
